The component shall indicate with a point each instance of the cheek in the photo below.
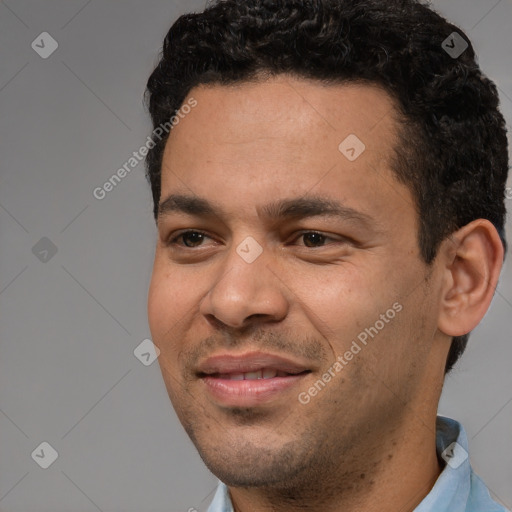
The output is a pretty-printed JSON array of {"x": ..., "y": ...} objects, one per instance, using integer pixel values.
[
  {"x": 365, "y": 304},
  {"x": 169, "y": 299},
  {"x": 158, "y": 303},
  {"x": 332, "y": 303},
  {"x": 341, "y": 299}
]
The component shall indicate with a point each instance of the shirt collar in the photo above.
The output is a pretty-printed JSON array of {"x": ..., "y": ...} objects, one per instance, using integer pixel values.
[{"x": 451, "y": 490}]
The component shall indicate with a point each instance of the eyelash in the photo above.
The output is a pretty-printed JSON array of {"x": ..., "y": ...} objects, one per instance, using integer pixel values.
[{"x": 173, "y": 240}]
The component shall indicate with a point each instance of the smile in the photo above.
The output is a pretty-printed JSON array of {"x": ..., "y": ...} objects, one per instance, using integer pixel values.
[
  {"x": 251, "y": 379},
  {"x": 267, "y": 373}
]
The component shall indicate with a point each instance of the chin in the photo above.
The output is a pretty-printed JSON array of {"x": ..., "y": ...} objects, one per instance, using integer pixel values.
[{"x": 246, "y": 464}]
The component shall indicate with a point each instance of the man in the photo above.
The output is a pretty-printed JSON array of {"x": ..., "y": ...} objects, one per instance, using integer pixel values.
[{"x": 330, "y": 212}]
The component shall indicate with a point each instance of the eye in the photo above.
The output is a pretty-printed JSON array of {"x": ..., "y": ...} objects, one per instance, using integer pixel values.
[
  {"x": 314, "y": 238},
  {"x": 190, "y": 239}
]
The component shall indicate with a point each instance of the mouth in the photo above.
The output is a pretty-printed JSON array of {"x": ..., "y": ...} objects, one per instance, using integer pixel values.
[
  {"x": 265, "y": 373},
  {"x": 250, "y": 379}
]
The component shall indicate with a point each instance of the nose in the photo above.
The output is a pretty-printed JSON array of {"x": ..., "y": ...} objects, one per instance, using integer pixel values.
[{"x": 245, "y": 293}]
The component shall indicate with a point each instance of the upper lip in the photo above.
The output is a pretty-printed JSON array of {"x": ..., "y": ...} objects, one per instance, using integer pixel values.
[{"x": 248, "y": 362}]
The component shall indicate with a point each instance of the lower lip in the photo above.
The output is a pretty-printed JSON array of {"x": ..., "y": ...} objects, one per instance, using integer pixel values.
[{"x": 249, "y": 393}]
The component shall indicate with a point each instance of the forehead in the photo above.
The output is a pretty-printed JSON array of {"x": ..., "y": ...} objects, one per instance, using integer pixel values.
[
  {"x": 285, "y": 115},
  {"x": 289, "y": 107},
  {"x": 282, "y": 136}
]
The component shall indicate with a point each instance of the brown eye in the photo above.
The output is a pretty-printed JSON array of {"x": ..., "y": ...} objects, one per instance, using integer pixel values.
[
  {"x": 188, "y": 239},
  {"x": 315, "y": 239},
  {"x": 192, "y": 238}
]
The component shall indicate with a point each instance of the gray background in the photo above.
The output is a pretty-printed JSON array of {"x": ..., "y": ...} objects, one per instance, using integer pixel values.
[{"x": 69, "y": 326}]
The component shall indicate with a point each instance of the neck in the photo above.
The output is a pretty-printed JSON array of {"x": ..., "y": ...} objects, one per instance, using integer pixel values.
[{"x": 392, "y": 471}]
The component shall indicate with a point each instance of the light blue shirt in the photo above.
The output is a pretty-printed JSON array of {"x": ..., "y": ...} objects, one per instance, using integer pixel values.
[{"x": 457, "y": 489}]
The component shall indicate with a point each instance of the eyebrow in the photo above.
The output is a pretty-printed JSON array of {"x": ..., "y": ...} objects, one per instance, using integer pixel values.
[{"x": 294, "y": 208}]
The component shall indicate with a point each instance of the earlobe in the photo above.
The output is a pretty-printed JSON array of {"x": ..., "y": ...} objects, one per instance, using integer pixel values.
[{"x": 473, "y": 260}]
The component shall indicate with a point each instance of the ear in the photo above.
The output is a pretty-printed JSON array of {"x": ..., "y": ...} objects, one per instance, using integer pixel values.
[{"x": 473, "y": 257}]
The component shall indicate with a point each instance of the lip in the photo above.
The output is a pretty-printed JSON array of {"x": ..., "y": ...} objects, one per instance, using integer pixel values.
[
  {"x": 214, "y": 373},
  {"x": 249, "y": 362}
]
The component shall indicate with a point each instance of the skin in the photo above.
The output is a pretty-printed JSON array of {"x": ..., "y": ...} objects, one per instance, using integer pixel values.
[{"x": 366, "y": 441}]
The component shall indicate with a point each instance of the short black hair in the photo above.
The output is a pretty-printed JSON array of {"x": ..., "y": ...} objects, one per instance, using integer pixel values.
[{"x": 452, "y": 152}]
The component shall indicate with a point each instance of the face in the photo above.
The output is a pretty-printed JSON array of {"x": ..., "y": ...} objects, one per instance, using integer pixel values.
[{"x": 296, "y": 320}]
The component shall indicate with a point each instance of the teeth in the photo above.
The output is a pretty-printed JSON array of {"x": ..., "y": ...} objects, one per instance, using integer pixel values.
[
  {"x": 252, "y": 375},
  {"x": 266, "y": 373}
]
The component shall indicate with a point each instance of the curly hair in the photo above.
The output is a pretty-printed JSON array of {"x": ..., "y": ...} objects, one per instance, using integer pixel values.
[{"x": 452, "y": 151}]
